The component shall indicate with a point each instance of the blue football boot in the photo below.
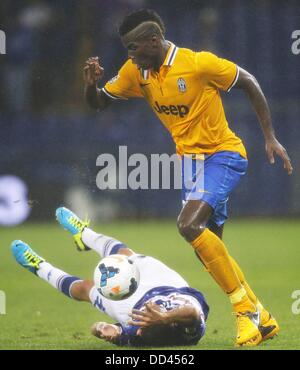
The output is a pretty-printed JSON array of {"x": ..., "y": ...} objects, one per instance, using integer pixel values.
[
  {"x": 25, "y": 256},
  {"x": 72, "y": 223}
]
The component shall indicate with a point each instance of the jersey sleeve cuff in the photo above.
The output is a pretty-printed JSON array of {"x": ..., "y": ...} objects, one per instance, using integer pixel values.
[
  {"x": 235, "y": 79},
  {"x": 110, "y": 95}
]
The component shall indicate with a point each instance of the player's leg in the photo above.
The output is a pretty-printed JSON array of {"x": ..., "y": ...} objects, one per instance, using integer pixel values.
[
  {"x": 86, "y": 239},
  {"x": 81, "y": 290},
  {"x": 222, "y": 172},
  {"x": 213, "y": 253},
  {"x": 72, "y": 286},
  {"x": 218, "y": 230},
  {"x": 211, "y": 250},
  {"x": 268, "y": 325}
]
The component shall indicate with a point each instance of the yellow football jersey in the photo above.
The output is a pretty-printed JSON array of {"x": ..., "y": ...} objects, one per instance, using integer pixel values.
[{"x": 185, "y": 96}]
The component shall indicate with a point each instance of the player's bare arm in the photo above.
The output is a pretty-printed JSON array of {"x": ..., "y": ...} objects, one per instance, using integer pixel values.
[
  {"x": 92, "y": 74},
  {"x": 248, "y": 82},
  {"x": 153, "y": 315}
]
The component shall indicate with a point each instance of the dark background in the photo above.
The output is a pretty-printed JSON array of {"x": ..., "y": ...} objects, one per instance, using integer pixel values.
[{"x": 51, "y": 139}]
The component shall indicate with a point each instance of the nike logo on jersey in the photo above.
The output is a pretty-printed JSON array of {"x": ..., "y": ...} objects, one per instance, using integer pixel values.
[
  {"x": 175, "y": 110},
  {"x": 142, "y": 85}
]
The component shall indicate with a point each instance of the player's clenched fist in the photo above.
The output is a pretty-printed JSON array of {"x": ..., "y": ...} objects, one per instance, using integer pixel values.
[{"x": 92, "y": 71}]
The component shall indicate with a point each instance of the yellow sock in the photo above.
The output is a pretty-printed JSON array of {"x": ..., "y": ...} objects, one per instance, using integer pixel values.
[
  {"x": 214, "y": 255},
  {"x": 243, "y": 281}
]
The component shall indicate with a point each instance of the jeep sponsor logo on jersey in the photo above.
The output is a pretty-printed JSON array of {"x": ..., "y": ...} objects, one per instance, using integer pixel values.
[{"x": 175, "y": 110}]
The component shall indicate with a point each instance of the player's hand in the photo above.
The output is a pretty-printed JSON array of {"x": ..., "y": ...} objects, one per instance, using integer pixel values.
[
  {"x": 273, "y": 145},
  {"x": 92, "y": 71},
  {"x": 151, "y": 316}
]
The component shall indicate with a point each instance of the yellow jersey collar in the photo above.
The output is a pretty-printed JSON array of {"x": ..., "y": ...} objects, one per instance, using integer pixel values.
[
  {"x": 171, "y": 54},
  {"x": 169, "y": 60}
]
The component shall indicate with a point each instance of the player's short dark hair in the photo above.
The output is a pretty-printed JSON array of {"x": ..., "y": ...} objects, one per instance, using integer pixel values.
[
  {"x": 134, "y": 19},
  {"x": 165, "y": 336}
]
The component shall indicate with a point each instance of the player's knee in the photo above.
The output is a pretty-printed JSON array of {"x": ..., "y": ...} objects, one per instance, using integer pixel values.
[
  {"x": 80, "y": 291},
  {"x": 126, "y": 252},
  {"x": 189, "y": 229}
]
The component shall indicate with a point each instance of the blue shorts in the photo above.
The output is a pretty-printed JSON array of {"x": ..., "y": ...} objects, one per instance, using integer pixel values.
[{"x": 218, "y": 176}]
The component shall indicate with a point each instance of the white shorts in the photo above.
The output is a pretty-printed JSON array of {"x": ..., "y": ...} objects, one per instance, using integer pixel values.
[{"x": 153, "y": 273}]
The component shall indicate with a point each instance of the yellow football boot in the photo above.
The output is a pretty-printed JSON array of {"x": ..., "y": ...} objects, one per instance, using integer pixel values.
[
  {"x": 248, "y": 333},
  {"x": 268, "y": 326}
]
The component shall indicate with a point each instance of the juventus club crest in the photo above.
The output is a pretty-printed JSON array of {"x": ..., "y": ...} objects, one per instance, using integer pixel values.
[{"x": 181, "y": 85}]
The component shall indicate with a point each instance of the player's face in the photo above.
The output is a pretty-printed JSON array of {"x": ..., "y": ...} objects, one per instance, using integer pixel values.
[{"x": 143, "y": 53}]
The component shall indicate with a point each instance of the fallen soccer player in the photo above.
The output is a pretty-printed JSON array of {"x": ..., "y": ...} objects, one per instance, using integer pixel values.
[{"x": 163, "y": 311}]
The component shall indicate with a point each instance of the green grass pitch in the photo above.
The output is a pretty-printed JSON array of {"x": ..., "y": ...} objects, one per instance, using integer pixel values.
[{"x": 39, "y": 317}]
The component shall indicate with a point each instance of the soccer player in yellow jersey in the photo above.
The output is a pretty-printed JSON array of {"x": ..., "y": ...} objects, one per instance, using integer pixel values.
[{"x": 183, "y": 89}]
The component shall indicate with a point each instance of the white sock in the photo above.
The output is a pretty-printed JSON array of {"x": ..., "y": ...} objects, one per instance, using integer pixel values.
[
  {"x": 50, "y": 274},
  {"x": 102, "y": 244},
  {"x": 57, "y": 278}
]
